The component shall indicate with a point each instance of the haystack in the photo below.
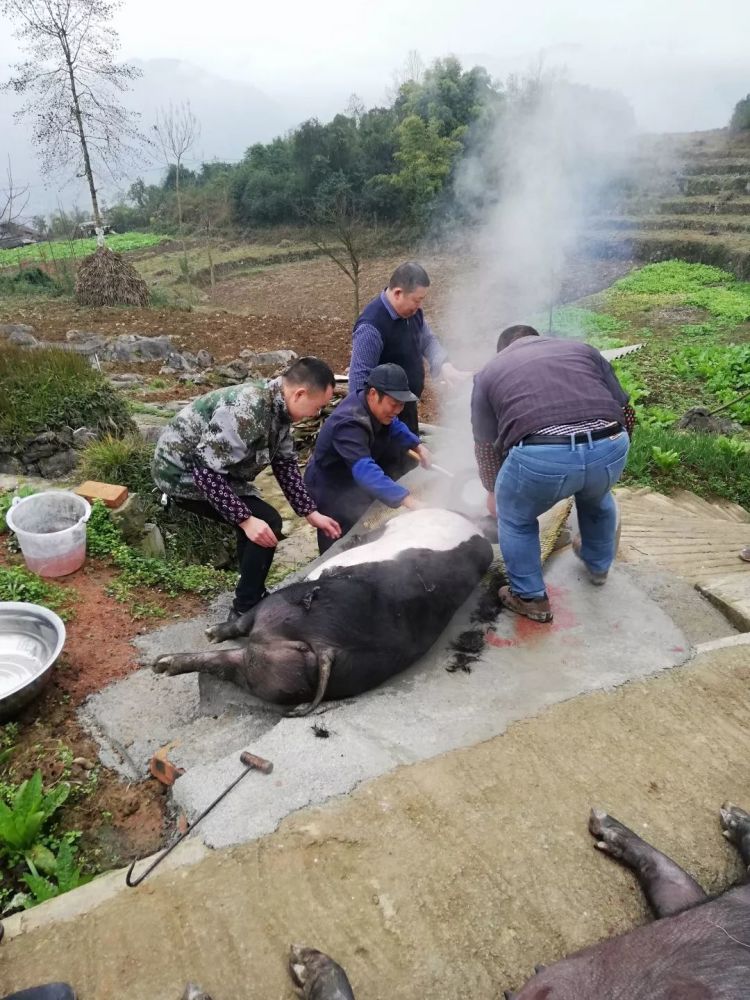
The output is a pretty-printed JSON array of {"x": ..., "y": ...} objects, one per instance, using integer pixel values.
[{"x": 105, "y": 279}]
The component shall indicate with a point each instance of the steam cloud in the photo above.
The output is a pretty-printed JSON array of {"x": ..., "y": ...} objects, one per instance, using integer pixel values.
[{"x": 527, "y": 191}]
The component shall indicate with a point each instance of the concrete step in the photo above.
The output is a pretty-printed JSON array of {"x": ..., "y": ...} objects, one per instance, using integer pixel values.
[{"x": 693, "y": 538}]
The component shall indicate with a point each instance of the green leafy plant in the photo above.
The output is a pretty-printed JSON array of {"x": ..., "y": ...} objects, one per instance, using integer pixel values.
[
  {"x": 136, "y": 570},
  {"x": 61, "y": 249},
  {"x": 18, "y": 584},
  {"x": 21, "y": 821},
  {"x": 672, "y": 276},
  {"x": 657, "y": 416},
  {"x": 67, "y": 876},
  {"x": 572, "y": 321},
  {"x": 665, "y": 459},
  {"x": 733, "y": 447},
  {"x": 6, "y": 501}
]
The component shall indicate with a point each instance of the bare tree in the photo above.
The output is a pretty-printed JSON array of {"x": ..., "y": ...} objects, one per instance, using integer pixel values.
[
  {"x": 72, "y": 84},
  {"x": 177, "y": 130},
  {"x": 339, "y": 229},
  {"x": 13, "y": 200}
]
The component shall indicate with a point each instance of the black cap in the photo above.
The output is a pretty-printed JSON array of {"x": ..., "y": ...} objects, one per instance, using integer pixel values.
[{"x": 391, "y": 379}]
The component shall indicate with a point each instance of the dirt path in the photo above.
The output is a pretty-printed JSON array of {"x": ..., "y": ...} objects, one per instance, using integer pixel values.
[{"x": 450, "y": 878}]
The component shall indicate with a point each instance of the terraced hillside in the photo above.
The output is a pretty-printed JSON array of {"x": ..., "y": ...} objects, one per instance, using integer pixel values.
[{"x": 688, "y": 196}]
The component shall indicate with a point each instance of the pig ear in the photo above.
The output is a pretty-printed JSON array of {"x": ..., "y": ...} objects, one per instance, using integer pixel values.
[{"x": 325, "y": 659}]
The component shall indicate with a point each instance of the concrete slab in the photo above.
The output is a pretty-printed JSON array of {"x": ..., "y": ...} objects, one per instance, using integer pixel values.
[
  {"x": 600, "y": 638},
  {"x": 448, "y": 878}
]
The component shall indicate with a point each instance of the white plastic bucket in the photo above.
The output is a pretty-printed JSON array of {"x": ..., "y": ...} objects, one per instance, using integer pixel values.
[{"x": 51, "y": 530}]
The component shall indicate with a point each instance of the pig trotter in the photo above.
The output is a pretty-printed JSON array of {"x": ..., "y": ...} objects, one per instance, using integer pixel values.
[
  {"x": 325, "y": 662},
  {"x": 316, "y": 976},
  {"x": 736, "y": 826},
  {"x": 163, "y": 665},
  {"x": 667, "y": 887},
  {"x": 193, "y": 992},
  {"x": 223, "y": 664}
]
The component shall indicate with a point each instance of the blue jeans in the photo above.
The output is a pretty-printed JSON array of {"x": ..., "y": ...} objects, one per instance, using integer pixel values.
[{"x": 533, "y": 479}]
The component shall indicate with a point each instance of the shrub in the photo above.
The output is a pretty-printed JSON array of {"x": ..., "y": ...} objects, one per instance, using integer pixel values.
[
  {"x": 740, "y": 121},
  {"x": 48, "y": 388}
]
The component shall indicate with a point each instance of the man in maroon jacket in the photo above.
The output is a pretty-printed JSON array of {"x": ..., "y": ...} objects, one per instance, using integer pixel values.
[{"x": 548, "y": 417}]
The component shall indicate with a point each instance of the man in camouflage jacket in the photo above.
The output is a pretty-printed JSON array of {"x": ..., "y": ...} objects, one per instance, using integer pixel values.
[{"x": 208, "y": 456}]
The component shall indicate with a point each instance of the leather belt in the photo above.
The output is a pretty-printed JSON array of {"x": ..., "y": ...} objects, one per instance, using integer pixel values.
[{"x": 581, "y": 437}]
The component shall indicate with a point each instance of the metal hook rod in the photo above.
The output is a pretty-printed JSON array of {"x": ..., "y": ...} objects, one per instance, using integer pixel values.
[{"x": 252, "y": 763}]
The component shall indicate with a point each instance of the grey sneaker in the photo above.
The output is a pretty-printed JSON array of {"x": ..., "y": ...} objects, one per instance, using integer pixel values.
[{"x": 598, "y": 579}]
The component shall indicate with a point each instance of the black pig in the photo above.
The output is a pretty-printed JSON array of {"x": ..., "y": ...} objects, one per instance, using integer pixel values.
[{"x": 359, "y": 618}]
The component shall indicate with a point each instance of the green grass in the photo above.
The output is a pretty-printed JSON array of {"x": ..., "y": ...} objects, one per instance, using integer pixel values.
[
  {"x": 47, "y": 388},
  {"x": 63, "y": 249},
  {"x": 124, "y": 460},
  {"x": 18, "y": 584},
  {"x": 707, "y": 464}
]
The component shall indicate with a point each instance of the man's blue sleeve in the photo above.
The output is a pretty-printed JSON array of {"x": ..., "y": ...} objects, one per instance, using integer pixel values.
[
  {"x": 370, "y": 477},
  {"x": 367, "y": 347},
  {"x": 402, "y": 435},
  {"x": 432, "y": 350}
]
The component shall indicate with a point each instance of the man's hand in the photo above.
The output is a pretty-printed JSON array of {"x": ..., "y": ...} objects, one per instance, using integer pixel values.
[
  {"x": 453, "y": 376},
  {"x": 491, "y": 505},
  {"x": 425, "y": 455},
  {"x": 411, "y": 503},
  {"x": 329, "y": 527},
  {"x": 259, "y": 531}
]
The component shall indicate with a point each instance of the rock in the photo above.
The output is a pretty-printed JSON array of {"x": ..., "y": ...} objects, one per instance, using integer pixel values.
[
  {"x": 41, "y": 446},
  {"x": 130, "y": 518},
  {"x": 10, "y": 465},
  {"x": 87, "y": 342},
  {"x": 185, "y": 362},
  {"x": 7, "y": 329},
  {"x": 701, "y": 420},
  {"x": 22, "y": 339},
  {"x": 59, "y": 464},
  {"x": 134, "y": 347},
  {"x": 204, "y": 359},
  {"x": 83, "y": 436},
  {"x": 234, "y": 372},
  {"x": 268, "y": 363},
  {"x": 152, "y": 542},
  {"x": 125, "y": 379}
]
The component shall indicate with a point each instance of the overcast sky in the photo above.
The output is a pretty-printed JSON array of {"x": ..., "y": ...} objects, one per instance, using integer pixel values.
[
  {"x": 683, "y": 64},
  {"x": 679, "y": 61}
]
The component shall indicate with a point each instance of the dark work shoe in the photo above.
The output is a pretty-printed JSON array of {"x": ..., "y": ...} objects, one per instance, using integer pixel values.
[
  {"x": 536, "y": 608},
  {"x": 52, "y": 991},
  {"x": 598, "y": 579}
]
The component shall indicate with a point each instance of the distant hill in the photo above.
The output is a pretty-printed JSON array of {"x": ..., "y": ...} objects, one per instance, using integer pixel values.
[{"x": 233, "y": 115}]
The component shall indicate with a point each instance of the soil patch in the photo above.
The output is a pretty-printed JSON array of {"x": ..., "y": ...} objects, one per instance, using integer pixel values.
[{"x": 117, "y": 821}]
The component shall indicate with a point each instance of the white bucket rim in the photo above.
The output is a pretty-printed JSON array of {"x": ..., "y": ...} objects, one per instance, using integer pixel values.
[{"x": 19, "y": 501}]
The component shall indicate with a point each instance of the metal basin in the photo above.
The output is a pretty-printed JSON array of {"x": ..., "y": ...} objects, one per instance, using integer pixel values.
[{"x": 31, "y": 638}]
